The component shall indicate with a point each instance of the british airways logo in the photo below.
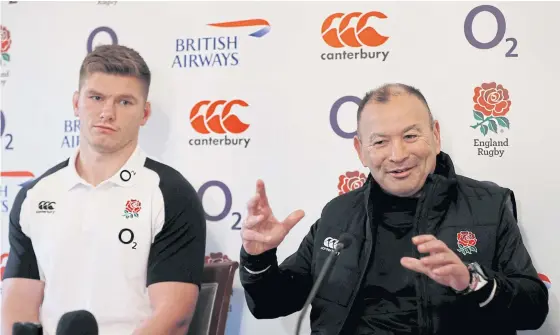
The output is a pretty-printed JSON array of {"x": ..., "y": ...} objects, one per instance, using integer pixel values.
[{"x": 220, "y": 48}]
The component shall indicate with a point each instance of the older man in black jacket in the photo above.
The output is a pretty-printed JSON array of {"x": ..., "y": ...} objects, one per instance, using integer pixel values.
[{"x": 433, "y": 252}]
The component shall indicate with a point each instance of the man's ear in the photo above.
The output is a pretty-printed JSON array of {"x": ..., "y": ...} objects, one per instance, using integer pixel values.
[
  {"x": 75, "y": 101},
  {"x": 437, "y": 137},
  {"x": 358, "y": 148},
  {"x": 147, "y": 112}
]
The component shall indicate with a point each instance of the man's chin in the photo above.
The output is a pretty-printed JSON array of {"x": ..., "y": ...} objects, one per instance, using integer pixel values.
[
  {"x": 104, "y": 147},
  {"x": 403, "y": 192}
]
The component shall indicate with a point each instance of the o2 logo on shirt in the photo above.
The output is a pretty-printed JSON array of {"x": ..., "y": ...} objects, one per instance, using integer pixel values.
[
  {"x": 126, "y": 236},
  {"x": 131, "y": 210},
  {"x": 226, "y": 210}
]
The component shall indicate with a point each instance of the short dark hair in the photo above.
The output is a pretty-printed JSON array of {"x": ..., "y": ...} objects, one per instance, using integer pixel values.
[
  {"x": 383, "y": 94},
  {"x": 116, "y": 59}
]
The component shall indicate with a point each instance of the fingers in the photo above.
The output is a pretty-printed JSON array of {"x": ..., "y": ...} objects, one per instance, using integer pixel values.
[
  {"x": 261, "y": 192},
  {"x": 420, "y": 239},
  {"x": 433, "y": 246},
  {"x": 294, "y": 218},
  {"x": 253, "y": 236},
  {"x": 414, "y": 265},
  {"x": 253, "y": 220},
  {"x": 439, "y": 259},
  {"x": 253, "y": 205}
]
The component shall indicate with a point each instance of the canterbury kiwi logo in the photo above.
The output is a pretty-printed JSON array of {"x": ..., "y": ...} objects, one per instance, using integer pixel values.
[
  {"x": 216, "y": 117},
  {"x": 343, "y": 35}
]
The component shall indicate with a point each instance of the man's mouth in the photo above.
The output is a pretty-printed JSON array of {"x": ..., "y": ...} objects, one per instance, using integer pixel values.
[
  {"x": 105, "y": 128},
  {"x": 399, "y": 173}
]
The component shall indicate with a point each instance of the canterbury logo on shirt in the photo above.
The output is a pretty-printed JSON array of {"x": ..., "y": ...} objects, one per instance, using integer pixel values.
[{"x": 46, "y": 207}]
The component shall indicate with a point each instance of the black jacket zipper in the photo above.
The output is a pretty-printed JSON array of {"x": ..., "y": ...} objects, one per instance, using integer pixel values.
[
  {"x": 369, "y": 249},
  {"x": 424, "y": 316}
]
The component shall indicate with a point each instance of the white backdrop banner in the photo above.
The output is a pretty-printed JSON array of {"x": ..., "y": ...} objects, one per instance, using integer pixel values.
[{"x": 283, "y": 81}]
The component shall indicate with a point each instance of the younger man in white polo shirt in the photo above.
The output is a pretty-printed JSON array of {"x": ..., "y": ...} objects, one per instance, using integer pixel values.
[{"x": 108, "y": 230}]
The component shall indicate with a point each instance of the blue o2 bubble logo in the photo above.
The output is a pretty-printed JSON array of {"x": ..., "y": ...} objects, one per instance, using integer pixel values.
[
  {"x": 500, "y": 33},
  {"x": 96, "y": 31},
  {"x": 226, "y": 210},
  {"x": 333, "y": 115}
]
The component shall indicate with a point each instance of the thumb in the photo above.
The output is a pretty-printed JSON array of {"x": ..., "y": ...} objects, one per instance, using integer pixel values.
[{"x": 293, "y": 218}]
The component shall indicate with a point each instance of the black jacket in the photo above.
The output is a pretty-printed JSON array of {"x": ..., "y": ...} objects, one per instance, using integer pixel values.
[{"x": 449, "y": 204}]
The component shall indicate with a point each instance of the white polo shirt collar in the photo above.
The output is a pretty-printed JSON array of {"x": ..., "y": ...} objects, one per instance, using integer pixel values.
[{"x": 125, "y": 177}]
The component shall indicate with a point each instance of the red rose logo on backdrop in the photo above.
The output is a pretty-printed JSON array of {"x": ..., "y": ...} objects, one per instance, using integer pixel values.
[
  {"x": 6, "y": 43},
  {"x": 349, "y": 181},
  {"x": 132, "y": 208},
  {"x": 492, "y": 103},
  {"x": 466, "y": 241},
  {"x": 4, "y": 261},
  {"x": 217, "y": 257}
]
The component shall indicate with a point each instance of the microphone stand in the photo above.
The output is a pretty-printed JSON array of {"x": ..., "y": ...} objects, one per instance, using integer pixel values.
[{"x": 326, "y": 267}]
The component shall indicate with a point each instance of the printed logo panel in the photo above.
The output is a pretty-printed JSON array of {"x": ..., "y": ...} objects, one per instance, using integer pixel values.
[
  {"x": 356, "y": 34},
  {"x": 218, "y": 123},
  {"x": 350, "y": 181},
  {"x": 491, "y": 105},
  {"x": 221, "y": 48}
]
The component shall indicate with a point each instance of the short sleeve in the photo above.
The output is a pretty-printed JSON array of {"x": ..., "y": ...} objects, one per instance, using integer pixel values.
[
  {"x": 22, "y": 262},
  {"x": 177, "y": 252}
]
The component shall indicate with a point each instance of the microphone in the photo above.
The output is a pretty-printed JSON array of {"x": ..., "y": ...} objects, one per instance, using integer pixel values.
[
  {"x": 344, "y": 242},
  {"x": 77, "y": 323},
  {"x": 27, "y": 328}
]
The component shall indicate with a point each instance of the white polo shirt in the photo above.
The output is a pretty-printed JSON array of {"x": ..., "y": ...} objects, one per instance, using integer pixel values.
[{"x": 98, "y": 248}]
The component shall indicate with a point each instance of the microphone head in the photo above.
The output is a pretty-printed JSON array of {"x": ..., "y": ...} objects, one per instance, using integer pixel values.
[
  {"x": 77, "y": 323},
  {"x": 27, "y": 328},
  {"x": 345, "y": 240}
]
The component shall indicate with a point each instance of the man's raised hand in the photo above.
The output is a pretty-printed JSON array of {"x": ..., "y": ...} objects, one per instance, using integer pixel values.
[{"x": 261, "y": 231}]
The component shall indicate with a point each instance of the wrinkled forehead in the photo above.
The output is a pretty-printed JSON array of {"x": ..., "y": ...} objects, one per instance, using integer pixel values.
[{"x": 395, "y": 115}]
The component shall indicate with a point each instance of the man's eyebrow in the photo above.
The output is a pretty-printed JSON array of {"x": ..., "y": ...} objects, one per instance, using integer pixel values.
[
  {"x": 94, "y": 92},
  {"x": 128, "y": 96},
  {"x": 122, "y": 96},
  {"x": 374, "y": 135}
]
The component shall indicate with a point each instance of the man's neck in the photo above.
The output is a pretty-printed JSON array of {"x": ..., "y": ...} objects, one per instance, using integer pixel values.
[{"x": 95, "y": 167}]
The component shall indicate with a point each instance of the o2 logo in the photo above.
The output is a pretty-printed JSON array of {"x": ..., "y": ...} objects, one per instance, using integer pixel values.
[
  {"x": 126, "y": 236},
  {"x": 227, "y": 206},
  {"x": 500, "y": 34},
  {"x": 333, "y": 116},
  {"x": 10, "y": 137},
  {"x": 93, "y": 34}
]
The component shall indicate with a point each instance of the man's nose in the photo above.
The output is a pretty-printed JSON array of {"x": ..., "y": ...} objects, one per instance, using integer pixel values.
[
  {"x": 398, "y": 151},
  {"x": 108, "y": 110}
]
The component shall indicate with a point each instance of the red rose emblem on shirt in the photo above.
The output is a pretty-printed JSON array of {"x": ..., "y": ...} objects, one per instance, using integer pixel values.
[
  {"x": 349, "y": 181},
  {"x": 491, "y": 104},
  {"x": 466, "y": 241},
  {"x": 132, "y": 208},
  {"x": 217, "y": 257},
  {"x": 6, "y": 42}
]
